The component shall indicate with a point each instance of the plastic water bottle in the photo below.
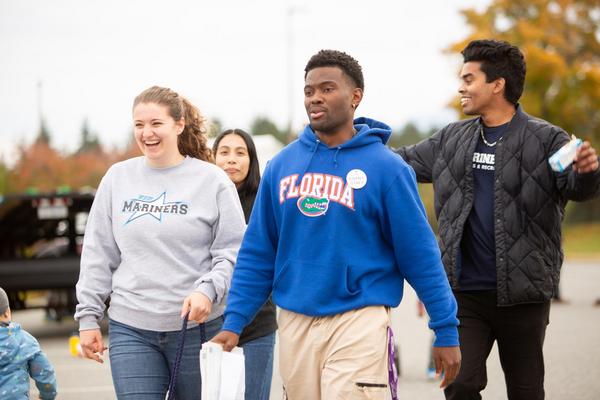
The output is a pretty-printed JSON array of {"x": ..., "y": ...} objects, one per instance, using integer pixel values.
[{"x": 564, "y": 157}]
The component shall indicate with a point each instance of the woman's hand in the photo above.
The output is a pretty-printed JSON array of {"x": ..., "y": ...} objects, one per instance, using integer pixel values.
[
  {"x": 92, "y": 345},
  {"x": 198, "y": 305}
]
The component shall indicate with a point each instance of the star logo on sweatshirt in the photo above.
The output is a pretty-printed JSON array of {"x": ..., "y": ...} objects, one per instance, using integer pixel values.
[{"x": 154, "y": 207}]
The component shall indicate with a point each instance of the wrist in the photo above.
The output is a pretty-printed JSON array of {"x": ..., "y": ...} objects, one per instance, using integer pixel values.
[{"x": 208, "y": 290}]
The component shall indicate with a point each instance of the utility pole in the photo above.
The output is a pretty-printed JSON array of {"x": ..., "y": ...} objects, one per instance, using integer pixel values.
[
  {"x": 290, "y": 86},
  {"x": 39, "y": 101},
  {"x": 290, "y": 12}
]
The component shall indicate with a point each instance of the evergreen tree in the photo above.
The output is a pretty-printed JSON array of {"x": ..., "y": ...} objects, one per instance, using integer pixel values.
[
  {"x": 89, "y": 141},
  {"x": 264, "y": 126},
  {"x": 43, "y": 133}
]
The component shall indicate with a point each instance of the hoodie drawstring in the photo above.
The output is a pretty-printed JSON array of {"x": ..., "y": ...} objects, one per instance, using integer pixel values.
[
  {"x": 335, "y": 156},
  {"x": 312, "y": 154}
]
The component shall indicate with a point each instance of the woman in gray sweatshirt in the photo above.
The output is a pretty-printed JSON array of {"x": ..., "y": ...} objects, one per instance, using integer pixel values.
[{"x": 161, "y": 241}]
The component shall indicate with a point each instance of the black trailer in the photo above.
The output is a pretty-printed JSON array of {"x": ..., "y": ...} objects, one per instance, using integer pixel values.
[{"x": 41, "y": 237}]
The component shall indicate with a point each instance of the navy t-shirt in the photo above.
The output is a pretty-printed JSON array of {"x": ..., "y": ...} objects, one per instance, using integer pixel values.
[{"x": 478, "y": 245}]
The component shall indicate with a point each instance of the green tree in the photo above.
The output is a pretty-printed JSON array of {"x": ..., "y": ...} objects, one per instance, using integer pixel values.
[
  {"x": 407, "y": 135},
  {"x": 561, "y": 43},
  {"x": 4, "y": 170},
  {"x": 43, "y": 133},
  {"x": 215, "y": 127},
  {"x": 264, "y": 126},
  {"x": 89, "y": 141}
]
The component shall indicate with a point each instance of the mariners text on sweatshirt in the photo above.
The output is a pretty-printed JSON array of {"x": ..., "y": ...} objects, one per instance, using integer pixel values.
[
  {"x": 336, "y": 229},
  {"x": 153, "y": 237}
]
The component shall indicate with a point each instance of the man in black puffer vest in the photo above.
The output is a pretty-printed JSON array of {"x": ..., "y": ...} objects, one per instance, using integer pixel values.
[{"x": 500, "y": 206}]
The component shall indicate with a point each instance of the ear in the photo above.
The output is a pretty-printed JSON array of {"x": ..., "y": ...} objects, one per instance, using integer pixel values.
[
  {"x": 180, "y": 125},
  {"x": 357, "y": 95},
  {"x": 499, "y": 85}
]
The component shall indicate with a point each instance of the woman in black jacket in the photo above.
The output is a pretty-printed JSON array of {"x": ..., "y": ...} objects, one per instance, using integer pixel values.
[{"x": 235, "y": 153}]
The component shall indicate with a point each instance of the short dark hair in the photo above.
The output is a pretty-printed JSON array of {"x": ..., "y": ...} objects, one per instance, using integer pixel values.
[
  {"x": 499, "y": 59},
  {"x": 334, "y": 58},
  {"x": 249, "y": 186}
]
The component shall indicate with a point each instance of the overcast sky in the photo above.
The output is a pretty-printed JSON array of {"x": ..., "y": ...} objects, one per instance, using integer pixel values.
[{"x": 229, "y": 57}]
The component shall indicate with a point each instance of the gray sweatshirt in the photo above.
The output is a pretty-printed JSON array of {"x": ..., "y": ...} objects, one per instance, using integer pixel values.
[{"x": 152, "y": 238}]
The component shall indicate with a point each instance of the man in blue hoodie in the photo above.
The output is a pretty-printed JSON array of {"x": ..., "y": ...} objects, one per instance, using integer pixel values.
[{"x": 336, "y": 229}]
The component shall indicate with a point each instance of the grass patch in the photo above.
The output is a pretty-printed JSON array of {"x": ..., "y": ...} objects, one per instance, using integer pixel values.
[{"x": 582, "y": 240}]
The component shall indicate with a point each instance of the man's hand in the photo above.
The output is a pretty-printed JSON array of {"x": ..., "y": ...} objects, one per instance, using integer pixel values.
[
  {"x": 198, "y": 305},
  {"x": 586, "y": 159},
  {"x": 447, "y": 361},
  {"x": 226, "y": 339},
  {"x": 92, "y": 345}
]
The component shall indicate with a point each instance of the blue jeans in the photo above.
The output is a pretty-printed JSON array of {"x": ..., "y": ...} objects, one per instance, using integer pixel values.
[
  {"x": 258, "y": 356},
  {"x": 141, "y": 361}
]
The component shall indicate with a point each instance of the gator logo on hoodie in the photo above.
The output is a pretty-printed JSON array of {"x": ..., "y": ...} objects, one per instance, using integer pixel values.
[
  {"x": 315, "y": 192},
  {"x": 313, "y": 206}
]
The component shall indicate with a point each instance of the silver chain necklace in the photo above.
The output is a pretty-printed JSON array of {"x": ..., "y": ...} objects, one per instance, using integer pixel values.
[
  {"x": 485, "y": 141},
  {"x": 500, "y": 138}
]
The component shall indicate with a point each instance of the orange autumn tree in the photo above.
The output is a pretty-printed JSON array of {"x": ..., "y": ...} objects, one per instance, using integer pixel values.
[
  {"x": 38, "y": 166},
  {"x": 41, "y": 168},
  {"x": 561, "y": 43},
  {"x": 86, "y": 168}
]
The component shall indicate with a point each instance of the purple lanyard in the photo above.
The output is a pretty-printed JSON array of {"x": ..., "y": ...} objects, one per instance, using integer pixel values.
[
  {"x": 392, "y": 371},
  {"x": 179, "y": 354}
]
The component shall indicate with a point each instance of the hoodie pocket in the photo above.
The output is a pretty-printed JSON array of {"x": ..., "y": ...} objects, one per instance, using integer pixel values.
[{"x": 320, "y": 282}]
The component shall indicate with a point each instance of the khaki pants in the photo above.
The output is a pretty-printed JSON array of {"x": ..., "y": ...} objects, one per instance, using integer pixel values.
[{"x": 343, "y": 356}]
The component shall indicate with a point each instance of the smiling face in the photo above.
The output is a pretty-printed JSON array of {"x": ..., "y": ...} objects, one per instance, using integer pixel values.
[
  {"x": 156, "y": 134},
  {"x": 329, "y": 96},
  {"x": 477, "y": 95},
  {"x": 232, "y": 156}
]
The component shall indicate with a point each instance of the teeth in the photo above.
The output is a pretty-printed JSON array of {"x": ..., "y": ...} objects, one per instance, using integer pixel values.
[
  {"x": 463, "y": 100},
  {"x": 150, "y": 143}
]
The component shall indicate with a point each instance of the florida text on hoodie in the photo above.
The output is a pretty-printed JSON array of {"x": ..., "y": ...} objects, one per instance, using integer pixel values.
[{"x": 336, "y": 229}]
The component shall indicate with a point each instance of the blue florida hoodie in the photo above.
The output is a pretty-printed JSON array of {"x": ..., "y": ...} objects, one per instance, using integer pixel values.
[{"x": 339, "y": 228}]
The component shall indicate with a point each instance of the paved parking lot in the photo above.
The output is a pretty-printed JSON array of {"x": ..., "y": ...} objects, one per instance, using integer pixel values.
[{"x": 572, "y": 349}]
